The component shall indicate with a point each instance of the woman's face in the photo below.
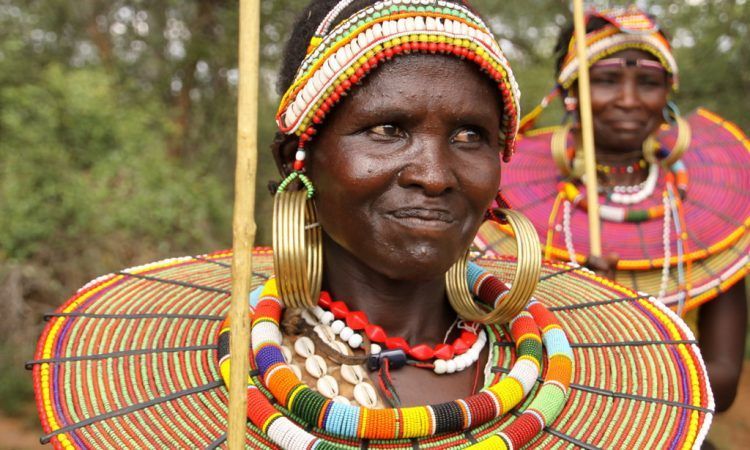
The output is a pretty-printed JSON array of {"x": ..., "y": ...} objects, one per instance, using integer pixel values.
[
  {"x": 627, "y": 102},
  {"x": 406, "y": 165}
]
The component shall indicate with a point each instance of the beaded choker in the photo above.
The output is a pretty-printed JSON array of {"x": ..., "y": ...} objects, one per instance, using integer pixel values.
[{"x": 295, "y": 400}]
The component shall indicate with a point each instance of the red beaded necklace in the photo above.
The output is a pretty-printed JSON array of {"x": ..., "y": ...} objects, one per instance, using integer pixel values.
[{"x": 357, "y": 321}]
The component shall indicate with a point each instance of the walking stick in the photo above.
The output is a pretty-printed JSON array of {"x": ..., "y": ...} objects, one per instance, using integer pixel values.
[
  {"x": 243, "y": 226},
  {"x": 587, "y": 131}
]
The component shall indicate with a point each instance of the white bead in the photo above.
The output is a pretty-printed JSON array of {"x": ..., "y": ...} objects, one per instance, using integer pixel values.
[
  {"x": 316, "y": 366},
  {"x": 450, "y": 366},
  {"x": 419, "y": 23},
  {"x": 318, "y": 312},
  {"x": 337, "y": 326},
  {"x": 440, "y": 366},
  {"x": 460, "y": 363},
  {"x": 355, "y": 341},
  {"x": 346, "y": 333},
  {"x": 300, "y": 155},
  {"x": 328, "y": 386},
  {"x": 327, "y": 318},
  {"x": 304, "y": 347},
  {"x": 410, "y": 24},
  {"x": 365, "y": 395},
  {"x": 375, "y": 349}
]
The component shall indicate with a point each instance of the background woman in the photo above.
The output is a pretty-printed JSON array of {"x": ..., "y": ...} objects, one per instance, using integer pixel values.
[{"x": 672, "y": 189}]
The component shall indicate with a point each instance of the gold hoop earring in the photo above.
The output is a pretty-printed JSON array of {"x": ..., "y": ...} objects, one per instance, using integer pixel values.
[
  {"x": 528, "y": 269},
  {"x": 684, "y": 137},
  {"x": 559, "y": 147},
  {"x": 297, "y": 244}
]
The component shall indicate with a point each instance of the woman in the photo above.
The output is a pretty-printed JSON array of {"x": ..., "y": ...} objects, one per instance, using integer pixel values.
[
  {"x": 390, "y": 166},
  {"x": 651, "y": 212}
]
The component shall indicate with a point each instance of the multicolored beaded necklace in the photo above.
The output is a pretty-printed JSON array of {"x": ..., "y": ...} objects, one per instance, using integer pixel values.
[{"x": 299, "y": 404}]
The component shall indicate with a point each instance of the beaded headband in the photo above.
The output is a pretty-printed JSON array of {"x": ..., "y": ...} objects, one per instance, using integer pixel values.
[
  {"x": 339, "y": 58},
  {"x": 628, "y": 28}
]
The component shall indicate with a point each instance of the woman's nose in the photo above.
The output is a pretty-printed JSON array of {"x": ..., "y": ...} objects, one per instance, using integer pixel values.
[
  {"x": 430, "y": 167},
  {"x": 629, "y": 97}
]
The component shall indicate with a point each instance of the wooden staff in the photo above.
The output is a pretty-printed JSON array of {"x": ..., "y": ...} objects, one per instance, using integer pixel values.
[
  {"x": 243, "y": 226},
  {"x": 587, "y": 131}
]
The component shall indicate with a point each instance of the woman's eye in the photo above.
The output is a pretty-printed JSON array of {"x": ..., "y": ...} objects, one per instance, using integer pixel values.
[
  {"x": 386, "y": 131},
  {"x": 603, "y": 80},
  {"x": 467, "y": 135}
]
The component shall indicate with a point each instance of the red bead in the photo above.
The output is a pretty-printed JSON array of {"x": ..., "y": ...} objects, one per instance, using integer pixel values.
[
  {"x": 325, "y": 300},
  {"x": 460, "y": 347},
  {"x": 407, "y": 47},
  {"x": 311, "y": 131},
  {"x": 444, "y": 351},
  {"x": 441, "y": 47},
  {"x": 298, "y": 165},
  {"x": 433, "y": 47},
  {"x": 346, "y": 84},
  {"x": 335, "y": 96},
  {"x": 339, "y": 90},
  {"x": 356, "y": 320},
  {"x": 397, "y": 342},
  {"x": 468, "y": 337},
  {"x": 398, "y": 48},
  {"x": 360, "y": 72},
  {"x": 317, "y": 120},
  {"x": 375, "y": 333},
  {"x": 422, "y": 352},
  {"x": 389, "y": 52},
  {"x": 339, "y": 309}
]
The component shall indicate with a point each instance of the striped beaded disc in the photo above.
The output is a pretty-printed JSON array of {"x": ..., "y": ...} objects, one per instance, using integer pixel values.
[
  {"x": 131, "y": 361},
  {"x": 717, "y": 213}
]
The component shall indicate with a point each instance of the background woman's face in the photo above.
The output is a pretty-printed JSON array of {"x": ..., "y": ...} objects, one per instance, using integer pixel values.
[
  {"x": 407, "y": 164},
  {"x": 627, "y": 102}
]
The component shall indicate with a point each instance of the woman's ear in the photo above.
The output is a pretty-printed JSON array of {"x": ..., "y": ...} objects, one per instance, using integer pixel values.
[{"x": 284, "y": 147}]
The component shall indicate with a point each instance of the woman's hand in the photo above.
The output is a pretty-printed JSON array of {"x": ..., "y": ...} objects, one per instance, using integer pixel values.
[{"x": 604, "y": 266}]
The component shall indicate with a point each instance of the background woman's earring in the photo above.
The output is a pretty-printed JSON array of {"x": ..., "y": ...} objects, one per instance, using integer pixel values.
[
  {"x": 297, "y": 244},
  {"x": 528, "y": 269}
]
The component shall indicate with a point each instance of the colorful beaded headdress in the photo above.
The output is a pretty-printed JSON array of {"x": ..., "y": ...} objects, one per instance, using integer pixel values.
[
  {"x": 339, "y": 58},
  {"x": 627, "y": 28}
]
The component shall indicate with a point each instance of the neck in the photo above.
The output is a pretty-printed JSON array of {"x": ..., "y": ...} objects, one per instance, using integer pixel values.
[
  {"x": 618, "y": 158},
  {"x": 416, "y": 310}
]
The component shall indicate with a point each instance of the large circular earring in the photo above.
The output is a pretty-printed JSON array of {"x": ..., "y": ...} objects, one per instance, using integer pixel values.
[
  {"x": 528, "y": 269},
  {"x": 297, "y": 244},
  {"x": 651, "y": 145}
]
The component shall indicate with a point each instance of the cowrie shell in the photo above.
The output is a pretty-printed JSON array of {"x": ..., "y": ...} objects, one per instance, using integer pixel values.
[
  {"x": 304, "y": 347},
  {"x": 316, "y": 366},
  {"x": 352, "y": 374},
  {"x": 342, "y": 348},
  {"x": 341, "y": 399},
  {"x": 325, "y": 334},
  {"x": 287, "y": 353},
  {"x": 365, "y": 395},
  {"x": 328, "y": 386}
]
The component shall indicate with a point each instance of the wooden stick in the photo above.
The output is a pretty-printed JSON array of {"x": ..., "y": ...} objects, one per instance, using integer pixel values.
[
  {"x": 587, "y": 131},
  {"x": 243, "y": 226}
]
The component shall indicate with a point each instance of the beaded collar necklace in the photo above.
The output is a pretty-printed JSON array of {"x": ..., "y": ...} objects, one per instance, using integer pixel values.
[{"x": 297, "y": 404}]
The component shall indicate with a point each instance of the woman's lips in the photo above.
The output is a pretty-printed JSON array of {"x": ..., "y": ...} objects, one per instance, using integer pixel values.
[{"x": 423, "y": 217}]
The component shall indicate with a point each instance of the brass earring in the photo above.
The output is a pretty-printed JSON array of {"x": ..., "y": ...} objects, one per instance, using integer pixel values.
[
  {"x": 528, "y": 269},
  {"x": 684, "y": 137},
  {"x": 297, "y": 244}
]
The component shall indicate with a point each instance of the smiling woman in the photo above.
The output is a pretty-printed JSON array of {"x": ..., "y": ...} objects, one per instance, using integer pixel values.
[
  {"x": 683, "y": 239},
  {"x": 372, "y": 327}
]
